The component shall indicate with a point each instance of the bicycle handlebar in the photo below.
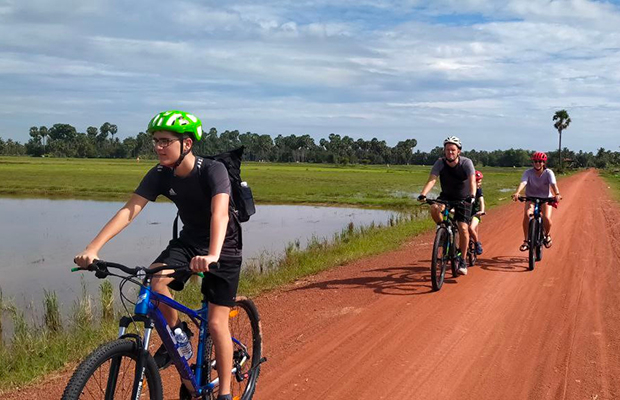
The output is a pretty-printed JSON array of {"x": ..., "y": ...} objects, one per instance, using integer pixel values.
[
  {"x": 537, "y": 199},
  {"x": 450, "y": 203},
  {"x": 100, "y": 268}
]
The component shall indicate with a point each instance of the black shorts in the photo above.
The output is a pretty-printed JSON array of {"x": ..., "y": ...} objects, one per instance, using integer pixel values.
[
  {"x": 462, "y": 210},
  {"x": 219, "y": 285}
]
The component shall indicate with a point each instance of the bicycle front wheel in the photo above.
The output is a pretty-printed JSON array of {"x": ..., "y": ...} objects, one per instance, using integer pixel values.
[
  {"x": 539, "y": 242},
  {"x": 245, "y": 327},
  {"x": 109, "y": 373},
  {"x": 454, "y": 252},
  {"x": 440, "y": 258},
  {"x": 533, "y": 242}
]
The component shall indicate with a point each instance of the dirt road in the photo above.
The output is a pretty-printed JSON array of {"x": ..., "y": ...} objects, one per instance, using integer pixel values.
[{"x": 375, "y": 330}]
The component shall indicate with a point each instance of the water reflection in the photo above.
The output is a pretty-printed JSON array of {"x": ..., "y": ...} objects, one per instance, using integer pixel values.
[{"x": 38, "y": 239}]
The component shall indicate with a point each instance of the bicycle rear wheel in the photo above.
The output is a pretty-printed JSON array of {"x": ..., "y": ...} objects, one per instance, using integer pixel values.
[
  {"x": 532, "y": 240},
  {"x": 440, "y": 258},
  {"x": 109, "y": 373},
  {"x": 245, "y": 327},
  {"x": 471, "y": 253}
]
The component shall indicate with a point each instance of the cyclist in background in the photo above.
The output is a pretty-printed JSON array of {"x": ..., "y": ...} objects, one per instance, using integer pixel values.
[
  {"x": 477, "y": 210},
  {"x": 456, "y": 176},
  {"x": 200, "y": 188},
  {"x": 538, "y": 181}
]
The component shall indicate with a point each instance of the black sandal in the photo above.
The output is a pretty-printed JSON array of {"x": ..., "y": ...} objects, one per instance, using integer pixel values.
[
  {"x": 547, "y": 241},
  {"x": 525, "y": 246}
]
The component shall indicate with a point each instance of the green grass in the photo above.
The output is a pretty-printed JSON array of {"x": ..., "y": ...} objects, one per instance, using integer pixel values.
[
  {"x": 37, "y": 350},
  {"x": 393, "y": 187},
  {"x": 40, "y": 348},
  {"x": 613, "y": 180},
  {"x": 70, "y": 178}
]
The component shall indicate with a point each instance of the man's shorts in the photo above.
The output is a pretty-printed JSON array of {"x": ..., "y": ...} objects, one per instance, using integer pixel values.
[
  {"x": 219, "y": 285},
  {"x": 462, "y": 210}
]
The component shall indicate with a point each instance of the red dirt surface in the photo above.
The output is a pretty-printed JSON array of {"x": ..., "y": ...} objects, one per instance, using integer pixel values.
[{"x": 373, "y": 329}]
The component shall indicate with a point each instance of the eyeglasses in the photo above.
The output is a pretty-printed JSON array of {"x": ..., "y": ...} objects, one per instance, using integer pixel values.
[
  {"x": 163, "y": 143},
  {"x": 538, "y": 161}
]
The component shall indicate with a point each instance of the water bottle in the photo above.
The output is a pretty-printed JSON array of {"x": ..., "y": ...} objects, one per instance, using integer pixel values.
[{"x": 184, "y": 347}]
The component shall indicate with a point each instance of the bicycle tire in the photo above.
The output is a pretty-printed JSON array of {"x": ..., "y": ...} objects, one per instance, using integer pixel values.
[
  {"x": 244, "y": 322},
  {"x": 471, "y": 253},
  {"x": 532, "y": 243},
  {"x": 454, "y": 267},
  {"x": 539, "y": 242},
  {"x": 438, "y": 263},
  {"x": 84, "y": 383}
]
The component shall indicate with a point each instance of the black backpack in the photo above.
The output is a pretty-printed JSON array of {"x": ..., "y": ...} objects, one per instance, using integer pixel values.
[{"x": 242, "y": 200}]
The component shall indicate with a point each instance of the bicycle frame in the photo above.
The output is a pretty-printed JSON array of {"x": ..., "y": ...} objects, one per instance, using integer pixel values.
[
  {"x": 537, "y": 216},
  {"x": 146, "y": 310},
  {"x": 449, "y": 223}
]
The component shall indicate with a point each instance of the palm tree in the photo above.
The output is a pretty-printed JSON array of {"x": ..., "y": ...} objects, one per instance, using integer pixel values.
[
  {"x": 43, "y": 132},
  {"x": 562, "y": 122}
]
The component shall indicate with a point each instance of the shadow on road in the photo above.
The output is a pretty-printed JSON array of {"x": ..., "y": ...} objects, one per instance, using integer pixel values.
[
  {"x": 503, "y": 264},
  {"x": 396, "y": 281}
]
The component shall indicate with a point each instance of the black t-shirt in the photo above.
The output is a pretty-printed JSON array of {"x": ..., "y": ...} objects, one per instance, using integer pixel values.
[
  {"x": 454, "y": 180},
  {"x": 192, "y": 195}
]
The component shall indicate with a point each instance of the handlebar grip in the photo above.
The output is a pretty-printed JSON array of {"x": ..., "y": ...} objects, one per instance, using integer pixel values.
[{"x": 213, "y": 265}]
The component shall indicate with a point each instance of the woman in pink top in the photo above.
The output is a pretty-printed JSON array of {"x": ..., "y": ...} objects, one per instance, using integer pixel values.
[{"x": 538, "y": 182}]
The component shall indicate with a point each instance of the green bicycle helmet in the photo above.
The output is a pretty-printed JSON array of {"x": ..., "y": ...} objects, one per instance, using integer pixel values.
[{"x": 177, "y": 121}]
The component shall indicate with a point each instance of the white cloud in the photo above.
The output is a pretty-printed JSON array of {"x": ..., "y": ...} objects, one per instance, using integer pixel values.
[{"x": 393, "y": 69}]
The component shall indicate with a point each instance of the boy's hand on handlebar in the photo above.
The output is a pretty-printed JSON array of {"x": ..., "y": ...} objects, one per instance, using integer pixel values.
[
  {"x": 558, "y": 197},
  {"x": 515, "y": 197},
  {"x": 422, "y": 198},
  {"x": 201, "y": 263},
  {"x": 85, "y": 258}
]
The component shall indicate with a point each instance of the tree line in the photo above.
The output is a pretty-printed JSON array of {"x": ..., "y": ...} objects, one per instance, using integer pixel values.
[{"x": 63, "y": 140}]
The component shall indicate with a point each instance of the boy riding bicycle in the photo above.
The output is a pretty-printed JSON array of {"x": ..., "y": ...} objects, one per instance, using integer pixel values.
[
  {"x": 200, "y": 188},
  {"x": 456, "y": 176},
  {"x": 538, "y": 181},
  {"x": 477, "y": 211}
]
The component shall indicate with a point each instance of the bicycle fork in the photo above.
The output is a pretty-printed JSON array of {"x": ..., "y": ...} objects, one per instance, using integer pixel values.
[{"x": 142, "y": 346}]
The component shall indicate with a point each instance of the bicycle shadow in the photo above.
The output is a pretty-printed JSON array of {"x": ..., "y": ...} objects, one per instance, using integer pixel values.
[
  {"x": 503, "y": 264},
  {"x": 395, "y": 281}
]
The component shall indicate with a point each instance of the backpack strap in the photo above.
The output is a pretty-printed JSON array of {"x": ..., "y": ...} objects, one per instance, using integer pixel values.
[
  {"x": 175, "y": 227},
  {"x": 202, "y": 162}
]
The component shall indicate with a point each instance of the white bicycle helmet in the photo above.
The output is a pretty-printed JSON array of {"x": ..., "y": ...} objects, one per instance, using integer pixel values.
[{"x": 454, "y": 140}]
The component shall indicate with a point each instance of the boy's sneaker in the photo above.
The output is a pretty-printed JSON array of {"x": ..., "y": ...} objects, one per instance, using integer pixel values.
[
  {"x": 162, "y": 357},
  {"x": 478, "y": 248},
  {"x": 462, "y": 266}
]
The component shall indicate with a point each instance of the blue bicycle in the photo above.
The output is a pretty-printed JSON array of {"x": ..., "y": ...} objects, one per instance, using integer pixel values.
[
  {"x": 535, "y": 233},
  {"x": 124, "y": 368}
]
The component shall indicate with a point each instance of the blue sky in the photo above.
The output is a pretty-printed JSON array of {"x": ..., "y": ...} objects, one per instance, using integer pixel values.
[{"x": 491, "y": 72}]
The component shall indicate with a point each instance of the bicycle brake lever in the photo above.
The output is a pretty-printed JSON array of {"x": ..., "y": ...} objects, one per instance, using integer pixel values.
[{"x": 100, "y": 273}]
